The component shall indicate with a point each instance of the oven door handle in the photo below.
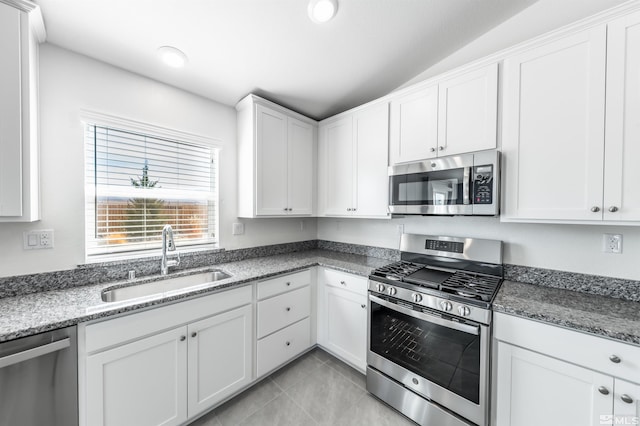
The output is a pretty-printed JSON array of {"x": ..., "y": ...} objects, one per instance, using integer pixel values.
[{"x": 465, "y": 328}]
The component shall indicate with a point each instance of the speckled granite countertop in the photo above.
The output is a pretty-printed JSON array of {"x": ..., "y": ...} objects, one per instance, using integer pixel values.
[
  {"x": 598, "y": 315},
  {"x": 38, "y": 312}
]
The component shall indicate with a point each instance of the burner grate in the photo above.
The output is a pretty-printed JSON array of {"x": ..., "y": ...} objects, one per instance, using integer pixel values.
[
  {"x": 398, "y": 270},
  {"x": 466, "y": 284}
]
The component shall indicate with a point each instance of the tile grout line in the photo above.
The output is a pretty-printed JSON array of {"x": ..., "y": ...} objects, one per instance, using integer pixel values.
[{"x": 260, "y": 407}]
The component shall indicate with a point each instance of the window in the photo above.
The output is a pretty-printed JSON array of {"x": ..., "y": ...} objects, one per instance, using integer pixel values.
[{"x": 136, "y": 183}]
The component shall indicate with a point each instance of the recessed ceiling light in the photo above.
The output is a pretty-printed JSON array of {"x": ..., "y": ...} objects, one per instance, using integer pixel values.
[
  {"x": 322, "y": 10},
  {"x": 175, "y": 58}
]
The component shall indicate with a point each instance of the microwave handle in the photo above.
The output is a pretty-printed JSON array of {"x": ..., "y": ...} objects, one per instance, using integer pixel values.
[{"x": 466, "y": 185}]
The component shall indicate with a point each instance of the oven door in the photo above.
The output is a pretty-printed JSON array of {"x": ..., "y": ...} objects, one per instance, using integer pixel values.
[
  {"x": 432, "y": 354},
  {"x": 439, "y": 186}
]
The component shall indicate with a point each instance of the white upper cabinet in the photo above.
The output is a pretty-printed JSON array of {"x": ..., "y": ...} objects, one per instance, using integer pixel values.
[
  {"x": 20, "y": 32},
  {"x": 276, "y": 160},
  {"x": 570, "y": 127},
  {"x": 467, "y": 112},
  {"x": 353, "y": 157},
  {"x": 453, "y": 116},
  {"x": 414, "y": 126},
  {"x": 553, "y": 129},
  {"x": 622, "y": 134}
]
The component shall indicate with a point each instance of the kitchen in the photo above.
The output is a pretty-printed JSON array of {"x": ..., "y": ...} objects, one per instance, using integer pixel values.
[{"x": 71, "y": 83}]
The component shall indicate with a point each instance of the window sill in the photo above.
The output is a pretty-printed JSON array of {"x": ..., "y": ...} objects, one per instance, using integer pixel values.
[{"x": 155, "y": 254}]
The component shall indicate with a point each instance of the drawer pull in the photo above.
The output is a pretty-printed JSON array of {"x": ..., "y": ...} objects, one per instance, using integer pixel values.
[
  {"x": 363, "y": 306},
  {"x": 288, "y": 283},
  {"x": 183, "y": 338},
  {"x": 343, "y": 283},
  {"x": 615, "y": 359},
  {"x": 626, "y": 398},
  {"x": 194, "y": 334},
  {"x": 288, "y": 343},
  {"x": 288, "y": 309},
  {"x": 603, "y": 390}
]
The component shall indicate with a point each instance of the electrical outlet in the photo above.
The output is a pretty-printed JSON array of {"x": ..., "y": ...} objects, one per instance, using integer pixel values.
[
  {"x": 40, "y": 239},
  {"x": 612, "y": 243}
]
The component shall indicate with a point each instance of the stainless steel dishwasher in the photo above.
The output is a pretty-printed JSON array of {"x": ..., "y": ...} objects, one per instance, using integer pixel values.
[{"x": 39, "y": 380}]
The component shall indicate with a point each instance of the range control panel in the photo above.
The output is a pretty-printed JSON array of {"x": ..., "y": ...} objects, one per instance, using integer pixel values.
[{"x": 483, "y": 184}]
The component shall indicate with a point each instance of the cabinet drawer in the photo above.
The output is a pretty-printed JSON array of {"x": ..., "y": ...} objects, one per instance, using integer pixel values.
[
  {"x": 282, "y": 310},
  {"x": 280, "y": 347},
  {"x": 573, "y": 346},
  {"x": 283, "y": 283},
  {"x": 113, "y": 332},
  {"x": 346, "y": 281}
]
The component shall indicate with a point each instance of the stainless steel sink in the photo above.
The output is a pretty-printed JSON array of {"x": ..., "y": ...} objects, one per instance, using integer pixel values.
[{"x": 161, "y": 286}]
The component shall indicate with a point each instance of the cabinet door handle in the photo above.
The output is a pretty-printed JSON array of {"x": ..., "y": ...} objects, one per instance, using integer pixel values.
[
  {"x": 615, "y": 359},
  {"x": 288, "y": 343},
  {"x": 288, "y": 309},
  {"x": 441, "y": 148},
  {"x": 603, "y": 390},
  {"x": 595, "y": 209},
  {"x": 194, "y": 334},
  {"x": 626, "y": 398},
  {"x": 613, "y": 209},
  {"x": 363, "y": 306},
  {"x": 432, "y": 149},
  {"x": 183, "y": 338},
  {"x": 343, "y": 283}
]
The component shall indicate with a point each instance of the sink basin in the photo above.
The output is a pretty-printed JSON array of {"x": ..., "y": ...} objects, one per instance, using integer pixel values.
[{"x": 162, "y": 286}]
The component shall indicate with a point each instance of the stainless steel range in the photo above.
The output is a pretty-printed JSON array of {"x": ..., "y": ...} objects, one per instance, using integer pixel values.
[{"x": 429, "y": 329}]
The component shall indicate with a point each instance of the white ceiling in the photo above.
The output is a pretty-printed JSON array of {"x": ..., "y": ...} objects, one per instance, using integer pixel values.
[{"x": 271, "y": 47}]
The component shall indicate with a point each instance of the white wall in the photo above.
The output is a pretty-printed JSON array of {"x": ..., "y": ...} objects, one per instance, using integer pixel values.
[
  {"x": 574, "y": 248},
  {"x": 70, "y": 82},
  {"x": 541, "y": 17}
]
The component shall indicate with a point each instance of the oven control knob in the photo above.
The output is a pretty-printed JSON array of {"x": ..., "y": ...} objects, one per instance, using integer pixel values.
[
  {"x": 464, "y": 310},
  {"x": 417, "y": 298},
  {"x": 392, "y": 291},
  {"x": 446, "y": 306},
  {"x": 380, "y": 288}
]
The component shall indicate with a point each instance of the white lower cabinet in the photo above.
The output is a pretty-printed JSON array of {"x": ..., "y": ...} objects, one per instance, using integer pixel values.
[
  {"x": 550, "y": 375},
  {"x": 135, "y": 370},
  {"x": 140, "y": 383},
  {"x": 342, "y": 316},
  {"x": 283, "y": 320}
]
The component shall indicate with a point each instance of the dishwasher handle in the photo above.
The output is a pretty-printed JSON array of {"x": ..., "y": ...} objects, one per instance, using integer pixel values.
[{"x": 16, "y": 358}]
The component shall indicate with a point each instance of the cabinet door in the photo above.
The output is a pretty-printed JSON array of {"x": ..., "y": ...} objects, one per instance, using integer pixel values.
[
  {"x": 622, "y": 154},
  {"x": 220, "y": 357},
  {"x": 346, "y": 329},
  {"x": 534, "y": 389},
  {"x": 271, "y": 162},
  {"x": 10, "y": 113},
  {"x": 553, "y": 129},
  {"x": 414, "y": 126},
  {"x": 300, "y": 175},
  {"x": 467, "y": 112},
  {"x": 626, "y": 402},
  {"x": 371, "y": 127},
  {"x": 336, "y": 170},
  {"x": 140, "y": 383}
]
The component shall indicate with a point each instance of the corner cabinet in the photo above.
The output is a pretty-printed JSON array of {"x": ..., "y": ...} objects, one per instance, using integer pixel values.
[
  {"x": 165, "y": 366},
  {"x": 570, "y": 127},
  {"x": 353, "y": 159},
  {"x": 342, "y": 316},
  {"x": 21, "y": 29},
  {"x": 276, "y": 160},
  {"x": 550, "y": 375},
  {"x": 451, "y": 116}
]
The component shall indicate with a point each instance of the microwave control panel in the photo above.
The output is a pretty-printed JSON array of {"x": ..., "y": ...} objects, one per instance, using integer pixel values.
[{"x": 483, "y": 184}]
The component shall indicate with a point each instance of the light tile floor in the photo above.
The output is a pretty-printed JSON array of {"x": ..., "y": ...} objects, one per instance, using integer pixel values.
[{"x": 316, "y": 389}]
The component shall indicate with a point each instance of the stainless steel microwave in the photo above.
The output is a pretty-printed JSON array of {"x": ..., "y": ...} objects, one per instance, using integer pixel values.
[{"x": 466, "y": 184}]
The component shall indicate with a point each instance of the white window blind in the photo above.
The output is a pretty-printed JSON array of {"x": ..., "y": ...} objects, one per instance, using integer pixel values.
[{"x": 137, "y": 183}]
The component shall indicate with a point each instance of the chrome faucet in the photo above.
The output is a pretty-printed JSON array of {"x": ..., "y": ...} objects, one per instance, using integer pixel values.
[{"x": 168, "y": 245}]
